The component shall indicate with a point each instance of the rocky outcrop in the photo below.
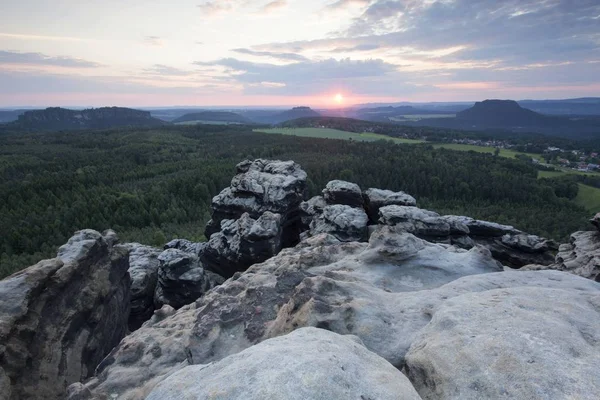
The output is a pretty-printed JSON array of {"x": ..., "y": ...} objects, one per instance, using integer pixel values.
[
  {"x": 61, "y": 317},
  {"x": 143, "y": 270},
  {"x": 186, "y": 246},
  {"x": 182, "y": 279},
  {"x": 342, "y": 192},
  {"x": 511, "y": 343},
  {"x": 311, "y": 209},
  {"x": 346, "y": 223},
  {"x": 595, "y": 220},
  {"x": 308, "y": 363},
  {"x": 507, "y": 244},
  {"x": 243, "y": 242},
  {"x": 260, "y": 186},
  {"x": 377, "y": 198}
]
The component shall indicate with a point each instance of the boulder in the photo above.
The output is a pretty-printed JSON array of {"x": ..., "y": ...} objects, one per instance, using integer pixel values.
[
  {"x": 596, "y": 221},
  {"x": 481, "y": 228},
  {"x": 182, "y": 279},
  {"x": 186, "y": 245},
  {"x": 581, "y": 256},
  {"x": 422, "y": 223},
  {"x": 342, "y": 221},
  {"x": 242, "y": 243},
  {"x": 143, "y": 270},
  {"x": 342, "y": 192},
  {"x": 308, "y": 363},
  {"x": 61, "y": 317},
  {"x": 260, "y": 186},
  {"x": 310, "y": 209},
  {"x": 376, "y": 198},
  {"x": 512, "y": 343}
]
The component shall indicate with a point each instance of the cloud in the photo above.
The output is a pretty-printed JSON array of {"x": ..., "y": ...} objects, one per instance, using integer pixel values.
[
  {"x": 10, "y": 57},
  {"x": 154, "y": 41},
  {"x": 341, "y": 4},
  {"x": 274, "y": 6},
  {"x": 212, "y": 8},
  {"x": 358, "y": 47},
  {"x": 280, "y": 56},
  {"x": 160, "y": 69}
]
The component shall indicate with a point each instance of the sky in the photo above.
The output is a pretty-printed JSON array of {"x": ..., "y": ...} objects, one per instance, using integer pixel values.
[{"x": 324, "y": 53}]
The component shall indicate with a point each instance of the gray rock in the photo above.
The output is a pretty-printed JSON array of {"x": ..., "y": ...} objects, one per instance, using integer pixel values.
[
  {"x": 310, "y": 209},
  {"x": 513, "y": 343},
  {"x": 596, "y": 221},
  {"x": 377, "y": 198},
  {"x": 580, "y": 257},
  {"x": 482, "y": 228},
  {"x": 422, "y": 223},
  {"x": 260, "y": 186},
  {"x": 182, "y": 279},
  {"x": 242, "y": 243},
  {"x": 143, "y": 270},
  {"x": 61, "y": 317},
  {"x": 186, "y": 245},
  {"x": 342, "y": 192},
  {"x": 342, "y": 221},
  {"x": 308, "y": 363}
]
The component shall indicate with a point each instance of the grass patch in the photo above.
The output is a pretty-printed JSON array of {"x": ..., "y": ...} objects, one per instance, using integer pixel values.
[
  {"x": 484, "y": 149},
  {"x": 326, "y": 133},
  {"x": 207, "y": 122},
  {"x": 588, "y": 197}
]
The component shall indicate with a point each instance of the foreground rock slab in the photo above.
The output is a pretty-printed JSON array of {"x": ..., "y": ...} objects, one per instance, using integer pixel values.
[
  {"x": 308, "y": 363},
  {"x": 60, "y": 317},
  {"x": 513, "y": 343},
  {"x": 143, "y": 270}
]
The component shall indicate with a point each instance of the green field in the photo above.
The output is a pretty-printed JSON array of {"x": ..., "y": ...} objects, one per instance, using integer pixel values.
[
  {"x": 563, "y": 171},
  {"x": 326, "y": 133},
  {"x": 484, "y": 149},
  {"x": 588, "y": 197},
  {"x": 418, "y": 117}
]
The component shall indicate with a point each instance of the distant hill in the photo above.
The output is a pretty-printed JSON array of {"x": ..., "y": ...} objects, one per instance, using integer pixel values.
[
  {"x": 508, "y": 115},
  {"x": 10, "y": 115},
  {"x": 288, "y": 115},
  {"x": 580, "y": 106},
  {"x": 56, "y": 118},
  {"x": 214, "y": 116}
]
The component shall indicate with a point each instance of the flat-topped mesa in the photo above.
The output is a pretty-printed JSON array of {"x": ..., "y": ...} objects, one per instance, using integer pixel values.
[
  {"x": 260, "y": 186},
  {"x": 61, "y": 317}
]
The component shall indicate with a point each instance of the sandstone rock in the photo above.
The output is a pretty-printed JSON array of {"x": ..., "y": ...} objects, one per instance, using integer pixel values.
[
  {"x": 581, "y": 256},
  {"x": 182, "y": 279},
  {"x": 143, "y": 270},
  {"x": 308, "y": 363},
  {"x": 310, "y": 209},
  {"x": 242, "y": 243},
  {"x": 260, "y": 186},
  {"x": 186, "y": 245},
  {"x": 60, "y": 317},
  {"x": 481, "y": 228},
  {"x": 513, "y": 343},
  {"x": 377, "y": 198},
  {"x": 342, "y": 192},
  {"x": 342, "y": 221},
  {"x": 422, "y": 223}
]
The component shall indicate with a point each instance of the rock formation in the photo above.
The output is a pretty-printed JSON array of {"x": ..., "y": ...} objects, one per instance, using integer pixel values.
[
  {"x": 182, "y": 279},
  {"x": 143, "y": 270},
  {"x": 308, "y": 363},
  {"x": 61, "y": 317},
  {"x": 428, "y": 301}
]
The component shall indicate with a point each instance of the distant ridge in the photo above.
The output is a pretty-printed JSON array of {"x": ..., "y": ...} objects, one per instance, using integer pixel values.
[
  {"x": 56, "y": 118},
  {"x": 294, "y": 113},
  {"x": 501, "y": 113},
  {"x": 214, "y": 116}
]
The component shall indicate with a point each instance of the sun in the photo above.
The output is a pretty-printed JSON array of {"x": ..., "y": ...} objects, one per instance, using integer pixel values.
[{"x": 339, "y": 98}]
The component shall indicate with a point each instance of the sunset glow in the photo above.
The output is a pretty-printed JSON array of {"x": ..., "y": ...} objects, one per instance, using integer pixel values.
[{"x": 339, "y": 99}]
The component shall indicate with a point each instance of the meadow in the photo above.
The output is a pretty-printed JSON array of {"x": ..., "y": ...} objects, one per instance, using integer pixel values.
[{"x": 326, "y": 133}]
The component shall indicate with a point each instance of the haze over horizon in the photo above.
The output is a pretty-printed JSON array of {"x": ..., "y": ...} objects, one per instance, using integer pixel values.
[{"x": 287, "y": 52}]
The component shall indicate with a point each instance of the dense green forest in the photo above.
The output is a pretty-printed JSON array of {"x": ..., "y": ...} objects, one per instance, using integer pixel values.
[{"x": 152, "y": 185}]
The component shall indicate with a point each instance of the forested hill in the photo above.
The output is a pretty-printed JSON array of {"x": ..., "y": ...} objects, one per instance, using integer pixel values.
[
  {"x": 56, "y": 118},
  {"x": 152, "y": 185},
  {"x": 213, "y": 116}
]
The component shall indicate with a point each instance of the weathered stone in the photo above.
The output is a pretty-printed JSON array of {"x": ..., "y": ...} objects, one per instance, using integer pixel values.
[
  {"x": 242, "y": 243},
  {"x": 342, "y": 192},
  {"x": 596, "y": 221},
  {"x": 182, "y": 279},
  {"x": 143, "y": 270},
  {"x": 346, "y": 223},
  {"x": 580, "y": 257},
  {"x": 60, "y": 317},
  {"x": 260, "y": 186},
  {"x": 377, "y": 198},
  {"x": 186, "y": 245},
  {"x": 310, "y": 209},
  {"x": 422, "y": 223},
  {"x": 482, "y": 228},
  {"x": 308, "y": 363},
  {"x": 512, "y": 343}
]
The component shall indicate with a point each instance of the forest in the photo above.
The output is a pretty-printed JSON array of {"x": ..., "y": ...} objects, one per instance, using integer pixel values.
[{"x": 154, "y": 184}]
